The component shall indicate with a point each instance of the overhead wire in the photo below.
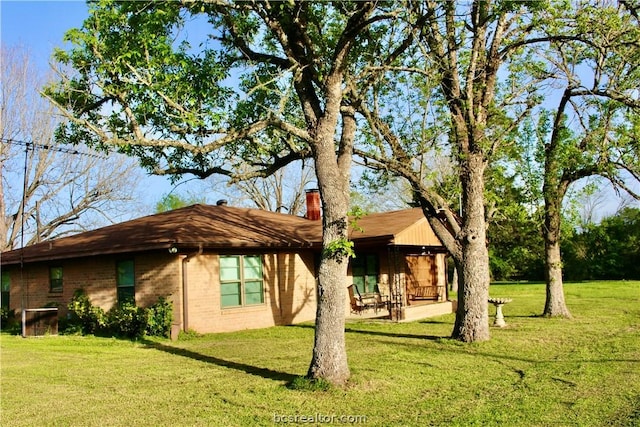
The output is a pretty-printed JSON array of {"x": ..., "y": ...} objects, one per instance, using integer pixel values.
[
  {"x": 30, "y": 145},
  {"x": 51, "y": 147}
]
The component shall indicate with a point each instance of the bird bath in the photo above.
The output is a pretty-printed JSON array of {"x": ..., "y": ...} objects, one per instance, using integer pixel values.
[{"x": 498, "y": 303}]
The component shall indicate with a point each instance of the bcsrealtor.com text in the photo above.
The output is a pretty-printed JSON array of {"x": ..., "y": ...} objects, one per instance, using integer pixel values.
[{"x": 318, "y": 419}]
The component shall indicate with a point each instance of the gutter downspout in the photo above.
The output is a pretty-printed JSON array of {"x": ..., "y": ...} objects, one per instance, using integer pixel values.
[{"x": 185, "y": 287}]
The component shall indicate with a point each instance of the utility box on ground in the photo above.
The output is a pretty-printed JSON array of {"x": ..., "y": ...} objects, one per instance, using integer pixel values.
[{"x": 39, "y": 322}]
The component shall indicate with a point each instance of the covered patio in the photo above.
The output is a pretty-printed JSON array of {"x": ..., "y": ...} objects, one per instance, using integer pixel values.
[{"x": 411, "y": 284}]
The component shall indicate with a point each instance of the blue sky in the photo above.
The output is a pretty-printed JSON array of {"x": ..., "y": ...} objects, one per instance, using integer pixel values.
[{"x": 39, "y": 27}]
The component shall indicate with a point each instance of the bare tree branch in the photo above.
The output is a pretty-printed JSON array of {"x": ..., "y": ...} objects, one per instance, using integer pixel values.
[{"x": 66, "y": 190}]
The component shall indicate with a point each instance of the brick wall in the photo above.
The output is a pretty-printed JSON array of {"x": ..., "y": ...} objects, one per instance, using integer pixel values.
[
  {"x": 289, "y": 286},
  {"x": 290, "y": 291},
  {"x": 295, "y": 298},
  {"x": 156, "y": 274},
  {"x": 159, "y": 275}
]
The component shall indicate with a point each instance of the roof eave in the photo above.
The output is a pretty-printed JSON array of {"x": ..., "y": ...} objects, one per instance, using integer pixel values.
[
  {"x": 61, "y": 255},
  {"x": 16, "y": 259}
]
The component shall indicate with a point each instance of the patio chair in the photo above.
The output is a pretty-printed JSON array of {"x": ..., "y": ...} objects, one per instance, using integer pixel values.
[
  {"x": 381, "y": 302},
  {"x": 372, "y": 300},
  {"x": 356, "y": 301}
]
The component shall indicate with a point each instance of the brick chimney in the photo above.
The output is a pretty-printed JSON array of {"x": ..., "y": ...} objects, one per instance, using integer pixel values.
[{"x": 313, "y": 204}]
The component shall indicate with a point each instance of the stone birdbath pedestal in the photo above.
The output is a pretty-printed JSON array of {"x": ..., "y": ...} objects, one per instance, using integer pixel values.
[{"x": 498, "y": 303}]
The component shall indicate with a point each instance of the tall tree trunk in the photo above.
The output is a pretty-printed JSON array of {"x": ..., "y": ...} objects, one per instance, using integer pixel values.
[
  {"x": 553, "y": 190},
  {"x": 454, "y": 280},
  {"x": 554, "y": 305},
  {"x": 472, "y": 316},
  {"x": 329, "y": 360}
]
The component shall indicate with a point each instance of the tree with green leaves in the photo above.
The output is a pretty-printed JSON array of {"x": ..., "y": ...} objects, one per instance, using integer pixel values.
[
  {"x": 483, "y": 68},
  {"x": 607, "y": 250},
  {"x": 462, "y": 105},
  {"x": 594, "y": 127},
  {"x": 171, "y": 201},
  {"x": 233, "y": 88},
  {"x": 513, "y": 220}
]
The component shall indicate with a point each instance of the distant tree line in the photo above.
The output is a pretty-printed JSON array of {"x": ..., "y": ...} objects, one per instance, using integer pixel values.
[{"x": 609, "y": 249}]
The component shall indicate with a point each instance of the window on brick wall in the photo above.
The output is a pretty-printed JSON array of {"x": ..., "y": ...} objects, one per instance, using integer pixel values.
[
  {"x": 126, "y": 281},
  {"x": 55, "y": 279},
  {"x": 364, "y": 270},
  {"x": 5, "y": 288},
  {"x": 241, "y": 280}
]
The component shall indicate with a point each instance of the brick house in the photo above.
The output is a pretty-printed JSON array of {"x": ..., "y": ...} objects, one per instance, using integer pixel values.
[{"x": 226, "y": 268}]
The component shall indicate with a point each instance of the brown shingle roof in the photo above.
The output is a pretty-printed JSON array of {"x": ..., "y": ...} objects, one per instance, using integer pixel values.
[{"x": 212, "y": 227}]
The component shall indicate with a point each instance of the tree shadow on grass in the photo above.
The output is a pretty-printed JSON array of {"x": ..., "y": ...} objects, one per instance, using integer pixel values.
[
  {"x": 394, "y": 334},
  {"x": 521, "y": 316},
  {"x": 476, "y": 351},
  {"x": 353, "y": 330},
  {"x": 249, "y": 369},
  {"x": 435, "y": 322}
]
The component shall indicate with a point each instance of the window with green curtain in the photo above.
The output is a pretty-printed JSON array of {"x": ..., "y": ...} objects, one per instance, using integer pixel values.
[
  {"x": 364, "y": 272},
  {"x": 126, "y": 281},
  {"x": 5, "y": 288},
  {"x": 241, "y": 281},
  {"x": 55, "y": 279}
]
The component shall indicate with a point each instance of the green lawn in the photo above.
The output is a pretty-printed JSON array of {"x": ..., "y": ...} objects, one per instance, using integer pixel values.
[{"x": 534, "y": 372}]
